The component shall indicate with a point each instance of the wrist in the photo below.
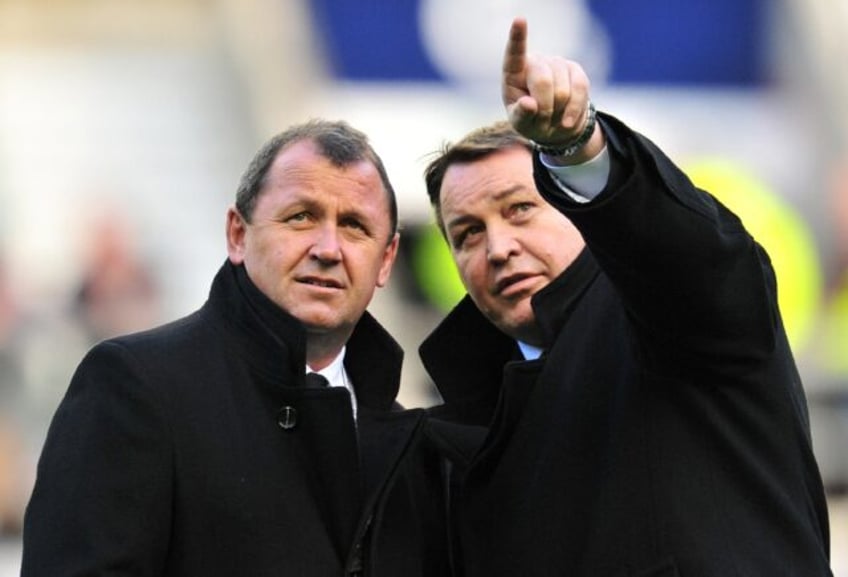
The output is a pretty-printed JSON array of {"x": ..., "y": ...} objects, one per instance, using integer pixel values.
[
  {"x": 596, "y": 145},
  {"x": 573, "y": 147}
]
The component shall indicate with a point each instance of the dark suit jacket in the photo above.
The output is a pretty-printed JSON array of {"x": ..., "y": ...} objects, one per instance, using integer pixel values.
[
  {"x": 664, "y": 432},
  {"x": 194, "y": 449}
]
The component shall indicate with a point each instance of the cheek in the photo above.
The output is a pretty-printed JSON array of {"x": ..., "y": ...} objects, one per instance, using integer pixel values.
[
  {"x": 262, "y": 255},
  {"x": 280, "y": 249},
  {"x": 364, "y": 264},
  {"x": 472, "y": 272}
]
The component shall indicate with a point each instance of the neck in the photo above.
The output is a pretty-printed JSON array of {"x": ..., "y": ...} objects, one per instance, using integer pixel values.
[
  {"x": 530, "y": 334},
  {"x": 322, "y": 350}
]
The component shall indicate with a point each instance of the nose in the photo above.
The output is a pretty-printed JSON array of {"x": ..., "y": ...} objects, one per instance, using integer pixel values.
[
  {"x": 326, "y": 247},
  {"x": 500, "y": 245}
]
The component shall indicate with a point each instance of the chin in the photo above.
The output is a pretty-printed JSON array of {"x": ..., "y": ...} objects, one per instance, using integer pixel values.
[
  {"x": 523, "y": 329},
  {"x": 319, "y": 321}
]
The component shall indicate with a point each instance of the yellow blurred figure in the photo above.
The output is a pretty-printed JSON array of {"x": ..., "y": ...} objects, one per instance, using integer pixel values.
[{"x": 780, "y": 230}]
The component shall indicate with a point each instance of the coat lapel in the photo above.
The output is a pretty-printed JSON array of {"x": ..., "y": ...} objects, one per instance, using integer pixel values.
[{"x": 384, "y": 438}]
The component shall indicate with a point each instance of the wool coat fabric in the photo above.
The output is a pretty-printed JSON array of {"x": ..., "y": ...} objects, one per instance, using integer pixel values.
[
  {"x": 195, "y": 449},
  {"x": 664, "y": 431}
]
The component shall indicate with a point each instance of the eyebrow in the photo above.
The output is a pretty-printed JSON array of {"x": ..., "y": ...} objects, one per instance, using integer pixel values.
[
  {"x": 311, "y": 203},
  {"x": 508, "y": 191},
  {"x": 498, "y": 196},
  {"x": 355, "y": 214}
]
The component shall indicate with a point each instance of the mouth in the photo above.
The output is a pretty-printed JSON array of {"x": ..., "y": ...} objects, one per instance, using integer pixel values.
[
  {"x": 321, "y": 282},
  {"x": 512, "y": 284}
]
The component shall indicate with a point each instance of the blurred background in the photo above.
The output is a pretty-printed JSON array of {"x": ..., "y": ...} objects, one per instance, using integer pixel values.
[{"x": 125, "y": 126}]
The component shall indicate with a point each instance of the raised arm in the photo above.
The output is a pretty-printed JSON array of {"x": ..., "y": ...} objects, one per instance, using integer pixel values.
[{"x": 546, "y": 97}]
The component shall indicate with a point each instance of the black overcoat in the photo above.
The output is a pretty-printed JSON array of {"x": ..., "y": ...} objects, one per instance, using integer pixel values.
[
  {"x": 664, "y": 432},
  {"x": 195, "y": 449}
]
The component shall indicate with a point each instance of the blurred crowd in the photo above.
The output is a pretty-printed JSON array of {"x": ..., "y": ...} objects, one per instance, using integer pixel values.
[{"x": 114, "y": 292}]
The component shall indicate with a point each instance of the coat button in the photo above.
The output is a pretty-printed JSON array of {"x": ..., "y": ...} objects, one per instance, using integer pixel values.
[{"x": 287, "y": 418}]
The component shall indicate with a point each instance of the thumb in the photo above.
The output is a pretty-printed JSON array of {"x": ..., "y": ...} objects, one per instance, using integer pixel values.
[{"x": 522, "y": 112}]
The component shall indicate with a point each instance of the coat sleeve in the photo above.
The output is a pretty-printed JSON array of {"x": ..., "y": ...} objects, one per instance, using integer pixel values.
[
  {"x": 695, "y": 283},
  {"x": 102, "y": 499}
]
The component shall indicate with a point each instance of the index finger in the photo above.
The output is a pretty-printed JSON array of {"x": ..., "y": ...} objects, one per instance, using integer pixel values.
[{"x": 516, "y": 47}]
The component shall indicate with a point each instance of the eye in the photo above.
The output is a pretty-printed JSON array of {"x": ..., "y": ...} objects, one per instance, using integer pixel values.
[
  {"x": 465, "y": 237},
  {"x": 354, "y": 224},
  {"x": 520, "y": 208},
  {"x": 302, "y": 216}
]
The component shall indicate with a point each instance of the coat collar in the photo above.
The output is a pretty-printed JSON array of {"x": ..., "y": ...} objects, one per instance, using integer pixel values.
[
  {"x": 465, "y": 354},
  {"x": 274, "y": 343},
  {"x": 553, "y": 304}
]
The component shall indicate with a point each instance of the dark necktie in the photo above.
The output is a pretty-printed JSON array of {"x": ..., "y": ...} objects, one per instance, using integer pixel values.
[{"x": 316, "y": 381}]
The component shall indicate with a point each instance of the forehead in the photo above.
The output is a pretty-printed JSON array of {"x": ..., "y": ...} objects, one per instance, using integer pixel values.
[
  {"x": 489, "y": 180},
  {"x": 300, "y": 169}
]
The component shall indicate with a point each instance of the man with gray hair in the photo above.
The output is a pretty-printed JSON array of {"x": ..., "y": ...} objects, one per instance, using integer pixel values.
[{"x": 259, "y": 435}]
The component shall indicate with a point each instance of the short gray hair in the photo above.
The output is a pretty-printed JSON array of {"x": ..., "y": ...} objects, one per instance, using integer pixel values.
[{"x": 337, "y": 141}]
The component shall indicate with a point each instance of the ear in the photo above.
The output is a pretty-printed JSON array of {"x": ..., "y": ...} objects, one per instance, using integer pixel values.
[
  {"x": 389, "y": 256},
  {"x": 236, "y": 231}
]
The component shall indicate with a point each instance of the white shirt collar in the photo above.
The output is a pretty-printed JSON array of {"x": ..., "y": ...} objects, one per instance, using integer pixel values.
[
  {"x": 529, "y": 351},
  {"x": 336, "y": 374}
]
